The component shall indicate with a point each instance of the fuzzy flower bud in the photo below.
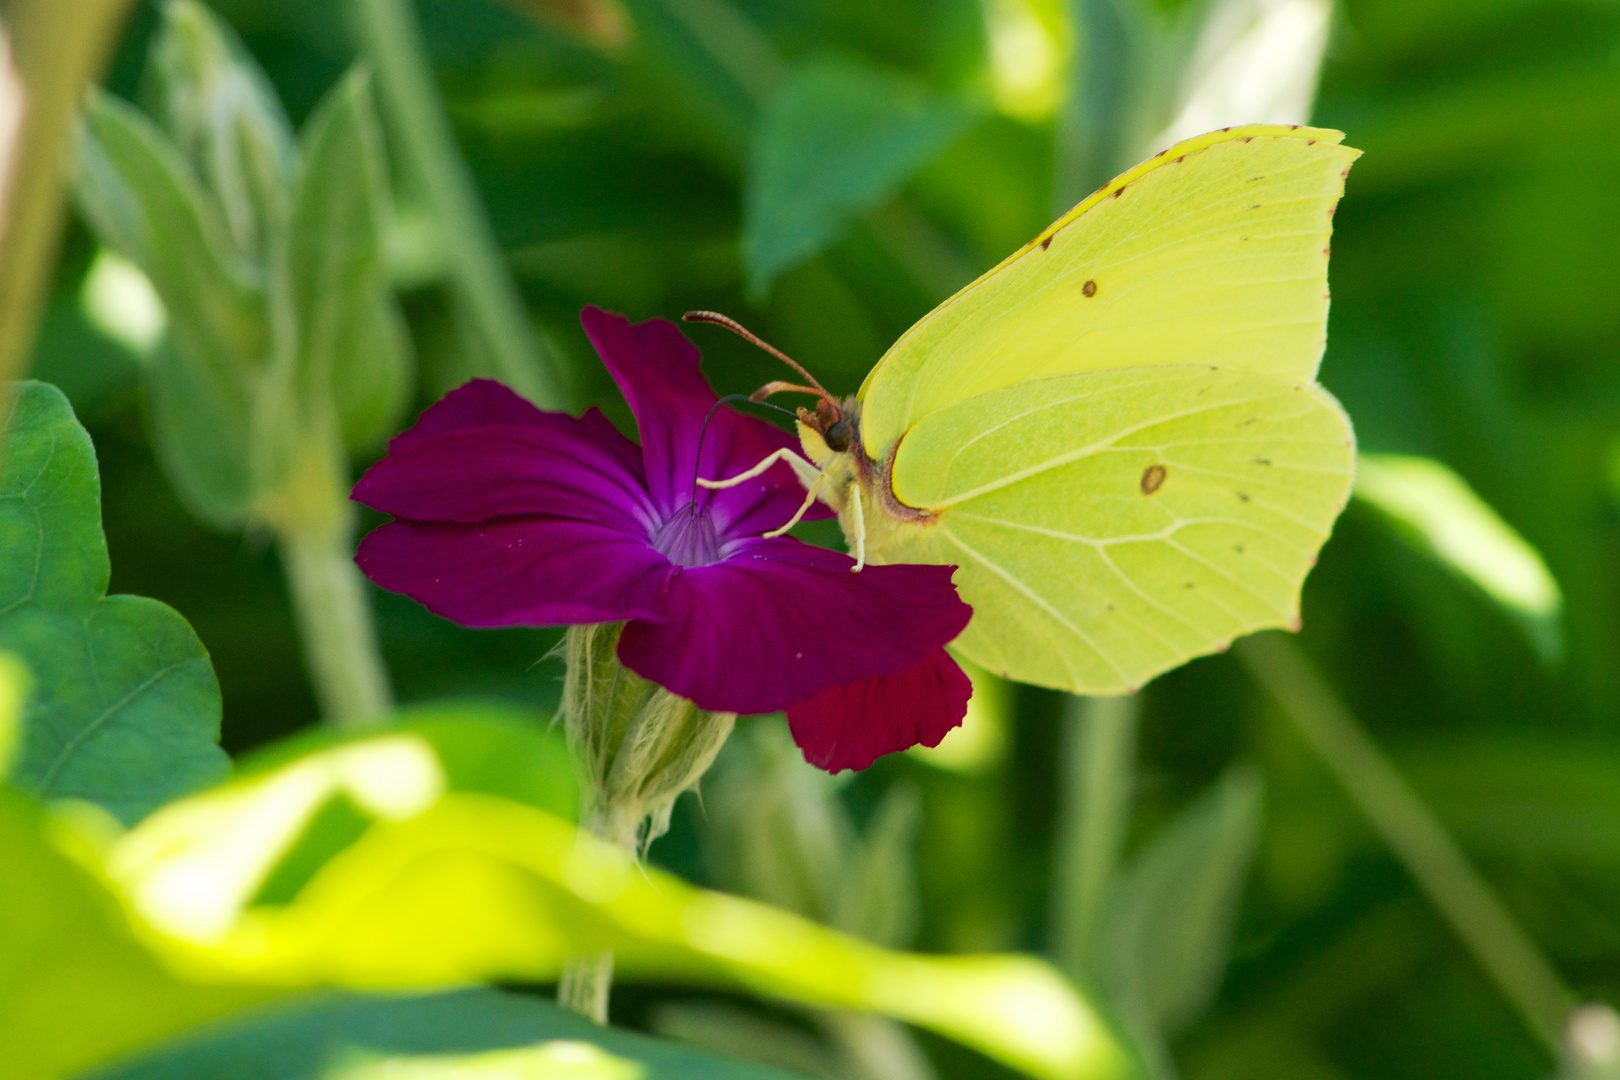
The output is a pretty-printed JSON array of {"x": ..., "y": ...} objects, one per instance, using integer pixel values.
[{"x": 638, "y": 745}]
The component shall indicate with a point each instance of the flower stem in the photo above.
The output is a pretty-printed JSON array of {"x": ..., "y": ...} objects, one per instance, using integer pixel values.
[
  {"x": 392, "y": 41},
  {"x": 585, "y": 983},
  {"x": 1099, "y": 757},
  {"x": 335, "y": 623},
  {"x": 314, "y": 522},
  {"x": 1411, "y": 830},
  {"x": 58, "y": 48},
  {"x": 638, "y": 747}
]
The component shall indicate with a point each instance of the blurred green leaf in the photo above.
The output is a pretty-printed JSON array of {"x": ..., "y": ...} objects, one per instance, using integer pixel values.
[
  {"x": 76, "y": 988},
  {"x": 126, "y": 711},
  {"x": 15, "y": 684},
  {"x": 879, "y": 897},
  {"x": 352, "y": 1036},
  {"x": 728, "y": 1028},
  {"x": 456, "y": 887},
  {"x": 776, "y": 831},
  {"x": 143, "y": 200},
  {"x": 1436, "y": 511},
  {"x": 837, "y": 139},
  {"x": 225, "y": 117},
  {"x": 559, "y": 1059},
  {"x": 1164, "y": 941},
  {"x": 352, "y": 339}
]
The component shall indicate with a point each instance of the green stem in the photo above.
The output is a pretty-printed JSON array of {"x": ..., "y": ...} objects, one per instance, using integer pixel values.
[
  {"x": 58, "y": 47},
  {"x": 1099, "y": 759},
  {"x": 335, "y": 624},
  {"x": 392, "y": 41},
  {"x": 1413, "y": 833},
  {"x": 585, "y": 983}
]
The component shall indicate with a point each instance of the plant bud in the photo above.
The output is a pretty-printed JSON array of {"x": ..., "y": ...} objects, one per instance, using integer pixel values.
[{"x": 638, "y": 745}]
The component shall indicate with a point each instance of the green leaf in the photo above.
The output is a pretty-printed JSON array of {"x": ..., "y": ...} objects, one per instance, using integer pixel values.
[
  {"x": 225, "y": 117},
  {"x": 836, "y": 140},
  {"x": 141, "y": 198},
  {"x": 352, "y": 341},
  {"x": 76, "y": 987},
  {"x": 879, "y": 900},
  {"x": 1436, "y": 511},
  {"x": 446, "y": 887},
  {"x": 489, "y": 1032},
  {"x": 1163, "y": 946},
  {"x": 15, "y": 685},
  {"x": 126, "y": 708},
  {"x": 492, "y": 749}
]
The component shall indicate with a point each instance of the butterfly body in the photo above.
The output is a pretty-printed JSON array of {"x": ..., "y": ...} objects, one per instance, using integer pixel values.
[{"x": 1116, "y": 435}]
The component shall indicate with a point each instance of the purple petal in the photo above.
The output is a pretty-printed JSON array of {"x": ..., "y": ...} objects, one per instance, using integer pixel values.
[
  {"x": 483, "y": 452},
  {"x": 777, "y": 622},
  {"x": 529, "y": 571},
  {"x": 658, "y": 372},
  {"x": 851, "y": 726}
]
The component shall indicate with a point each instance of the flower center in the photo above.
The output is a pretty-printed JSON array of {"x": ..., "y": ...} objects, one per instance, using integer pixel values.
[{"x": 688, "y": 539}]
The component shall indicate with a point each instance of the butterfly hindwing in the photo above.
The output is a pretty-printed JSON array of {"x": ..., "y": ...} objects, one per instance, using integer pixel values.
[{"x": 1111, "y": 524}]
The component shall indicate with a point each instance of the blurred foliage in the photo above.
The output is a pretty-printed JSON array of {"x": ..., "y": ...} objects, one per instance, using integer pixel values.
[
  {"x": 420, "y": 857},
  {"x": 1474, "y": 322}
]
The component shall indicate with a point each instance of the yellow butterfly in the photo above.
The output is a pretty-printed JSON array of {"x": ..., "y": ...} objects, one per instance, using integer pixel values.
[{"x": 1116, "y": 434}]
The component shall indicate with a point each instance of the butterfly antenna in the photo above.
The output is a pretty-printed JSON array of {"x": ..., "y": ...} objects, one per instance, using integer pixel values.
[
  {"x": 703, "y": 433},
  {"x": 754, "y": 339}
]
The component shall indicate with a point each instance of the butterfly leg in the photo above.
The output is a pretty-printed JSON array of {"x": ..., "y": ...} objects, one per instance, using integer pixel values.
[
  {"x": 806, "y": 472},
  {"x": 804, "y": 508},
  {"x": 858, "y": 521}
]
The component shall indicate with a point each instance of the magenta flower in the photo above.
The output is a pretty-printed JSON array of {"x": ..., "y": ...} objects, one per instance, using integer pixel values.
[{"x": 510, "y": 516}]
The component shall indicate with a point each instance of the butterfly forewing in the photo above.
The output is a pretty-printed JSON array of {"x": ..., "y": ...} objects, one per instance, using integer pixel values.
[{"x": 1214, "y": 252}]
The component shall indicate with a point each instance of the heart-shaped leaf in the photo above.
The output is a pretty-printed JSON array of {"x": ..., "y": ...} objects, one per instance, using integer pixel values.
[{"x": 126, "y": 708}]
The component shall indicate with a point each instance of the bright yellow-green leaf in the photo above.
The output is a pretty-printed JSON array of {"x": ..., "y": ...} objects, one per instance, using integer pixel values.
[
  {"x": 444, "y": 887},
  {"x": 15, "y": 683},
  {"x": 1443, "y": 517},
  {"x": 559, "y": 1059},
  {"x": 76, "y": 988},
  {"x": 480, "y": 888}
]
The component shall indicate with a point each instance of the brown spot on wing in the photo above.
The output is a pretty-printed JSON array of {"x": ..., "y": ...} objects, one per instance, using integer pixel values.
[
  {"x": 1089, "y": 289},
  {"x": 1047, "y": 242},
  {"x": 1153, "y": 478}
]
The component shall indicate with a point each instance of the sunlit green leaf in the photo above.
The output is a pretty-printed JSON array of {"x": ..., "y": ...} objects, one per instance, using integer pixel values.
[
  {"x": 76, "y": 988},
  {"x": 1166, "y": 934},
  {"x": 1439, "y": 514},
  {"x": 126, "y": 708},
  {"x": 458, "y": 887},
  {"x": 559, "y": 1059},
  {"x": 15, "y": 683},
  {"x": 836, "y": 139},
  {"x": 351, "y": 338}
]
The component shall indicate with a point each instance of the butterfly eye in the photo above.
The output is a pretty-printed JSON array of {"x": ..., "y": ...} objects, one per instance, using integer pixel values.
[{"x": 838, "y": 436}]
